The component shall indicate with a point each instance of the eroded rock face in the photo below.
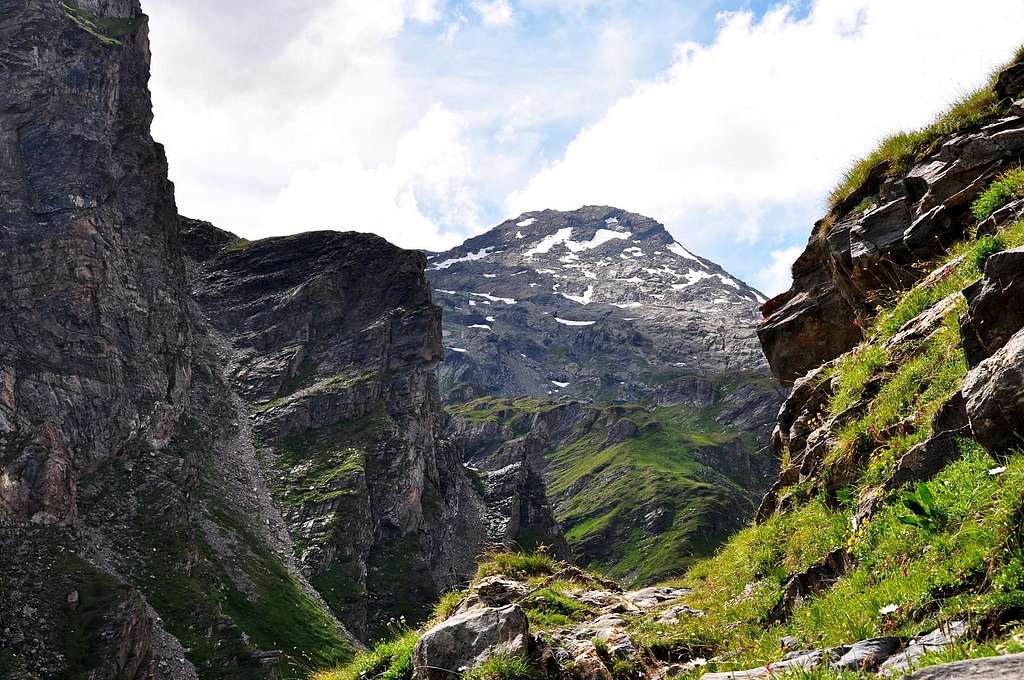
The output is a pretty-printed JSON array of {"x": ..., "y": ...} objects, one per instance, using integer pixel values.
[
  {"x": 870, "y": 242},
  {"x": 995, "y": 399},
  {"x": 995, "y": 312},
  {"x": 83, "y": 320},
  {"x": 333, "y": 341}
]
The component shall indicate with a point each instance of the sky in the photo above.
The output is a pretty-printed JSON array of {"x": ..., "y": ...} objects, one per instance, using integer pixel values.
[{"x": 430, "y": 121}]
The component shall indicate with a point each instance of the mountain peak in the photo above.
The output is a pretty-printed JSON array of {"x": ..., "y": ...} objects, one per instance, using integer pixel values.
[{"x": 529, "y": 290}]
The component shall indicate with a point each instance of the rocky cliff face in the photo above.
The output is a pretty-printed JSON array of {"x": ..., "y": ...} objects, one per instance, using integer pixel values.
[
  {"x": 876, "y": 238},
  {"x": 596, "y": 303},
  {"x": 333, "y": 340},
  {"x": 890, "y": 234},
  {"x": 172, "y": 476}
]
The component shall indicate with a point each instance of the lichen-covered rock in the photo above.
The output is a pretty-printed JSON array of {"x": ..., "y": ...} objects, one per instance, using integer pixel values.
[
  {"x": 494, "y": 591},
  {"x": 468, "y": 639}
]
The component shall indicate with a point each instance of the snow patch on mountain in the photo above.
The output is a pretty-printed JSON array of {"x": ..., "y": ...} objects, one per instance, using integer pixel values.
[
  {"x": 471, "y": 257},
  {"x": 567, "y": 322},
  {"x": 549, "y": 242},
  {"x": 493, "y": 298}
]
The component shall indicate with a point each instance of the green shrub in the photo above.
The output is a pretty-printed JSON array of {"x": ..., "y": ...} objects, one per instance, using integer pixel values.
[{"x": 1009, "y": 187}]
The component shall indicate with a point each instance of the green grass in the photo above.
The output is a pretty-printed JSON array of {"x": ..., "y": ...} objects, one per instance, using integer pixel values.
[
  {"x": 550, "y": 608},
  {"x": 389, "y": 660},
  {"x": 503, "y": 667},
  {"x": 900, "y": 150},
  {"x": 447, "y": 604},
  {"x": 1009, "y": 187},
  {"x": 929, "y": 576},
  {"x": 516, "y": 565},
  {"x": 603, "y": 492},
  {"x": 108, "y": 30}
]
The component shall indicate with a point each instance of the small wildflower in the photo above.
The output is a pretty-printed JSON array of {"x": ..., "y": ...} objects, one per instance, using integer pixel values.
[
  {"x": 997, "y": 471},
  {"x": 888, "y": 609}
]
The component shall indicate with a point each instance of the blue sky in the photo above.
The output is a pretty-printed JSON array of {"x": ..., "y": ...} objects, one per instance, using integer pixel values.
[{"x": 429, "y": 121}]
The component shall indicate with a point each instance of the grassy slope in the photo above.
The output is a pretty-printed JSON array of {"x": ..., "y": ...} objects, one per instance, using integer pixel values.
[
  {"x": 183, "y": 577},
  {"x": 969, "y": 562},
  {"x": 600, "y": 489}
]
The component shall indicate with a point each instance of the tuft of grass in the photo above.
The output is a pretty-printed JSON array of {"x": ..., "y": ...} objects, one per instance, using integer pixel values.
[
  {"x": 388, "y": 660},
  {"x": 447, "y": 604},
  {"x": 1008, "y": 187},
  {"x": 108, "y": 30},
  {"x": 502, "y": 667},
  {"x": 516, "y": 565},
  {"x": 550, "y": 608},
  {"x": 853, "y": 372}
]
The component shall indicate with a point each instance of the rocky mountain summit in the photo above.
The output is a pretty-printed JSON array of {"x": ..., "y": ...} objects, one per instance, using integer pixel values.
[
  {"x": 595, "y": 303},
  {"x": 553, "y": 316}
]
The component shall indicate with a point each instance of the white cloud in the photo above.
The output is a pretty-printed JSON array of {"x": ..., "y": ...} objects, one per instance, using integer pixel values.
[
  {"x": 305, "y": 120},
  {"x": 430, "y": 167},
  {"x": 767, "y": 116},
  {"x": 494, "y": 12},
  {"x": 777, "y": 276}
]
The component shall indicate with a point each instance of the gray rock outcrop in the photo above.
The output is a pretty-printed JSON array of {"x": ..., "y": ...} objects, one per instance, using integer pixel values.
[{"x": 468, "y": 639}]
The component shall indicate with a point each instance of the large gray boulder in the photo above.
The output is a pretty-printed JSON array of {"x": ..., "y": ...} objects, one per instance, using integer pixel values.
[
  {"x": 469, "y": 639},
  {"x": 996, "y": 668},
  {"x": 995, "y": 399}
]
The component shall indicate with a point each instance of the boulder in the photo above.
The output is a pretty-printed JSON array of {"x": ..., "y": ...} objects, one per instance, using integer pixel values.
[
  {"x": 996, "y": 668},
  {"x": 935, "y": 641},
  {"x": 468, "y": 639},
  {"x": 995, "y": 399},
  {"x": 817, "y": 578},
  {"x": 995, "y": 306},
  {"x": 867, "y": 655}
]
